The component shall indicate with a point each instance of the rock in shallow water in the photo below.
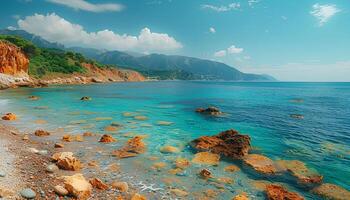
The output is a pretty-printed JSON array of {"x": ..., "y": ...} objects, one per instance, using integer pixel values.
[
  {"x": 260, "y": 163},
  {"x": 277, "y": 192},
  {"x": 331, "y": 191},
  {"x": 28, "y": 193},
  {"x": 206, "y": 158}
]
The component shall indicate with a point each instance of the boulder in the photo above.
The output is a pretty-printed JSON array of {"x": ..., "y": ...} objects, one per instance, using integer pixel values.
[
  {"x": 296, "y": 116},
  {"x": 77, "y": 186},
  {"x": 229, "y": 143},
  {"x": 88, "y": 134},
  {"x": 132, "y": 148},
  {"x": 331, "y": 191},
  {"x": 260, "y": 163},
  {"x": 121, "y": 186},
  {"x": 97, "y": 183},
  {"x": 206, "y": 158},
  {"x": 59, "y": 145},
  {"x": 277, "y": 192},
  {"x": 9, "y": 117},
  {"x": 68, "y": 138},
  {"x": 28, "y": 193},
  {"x": 41, "y": 133},
  {"x": 209, "y": 111},
  {"x": 66, "y": 161},
  {"x": 107, "y": 139},
  {"x": 169, "y": 149}
]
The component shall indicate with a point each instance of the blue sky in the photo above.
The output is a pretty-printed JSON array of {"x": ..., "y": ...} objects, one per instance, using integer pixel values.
[{"x": 292, "y": 40}]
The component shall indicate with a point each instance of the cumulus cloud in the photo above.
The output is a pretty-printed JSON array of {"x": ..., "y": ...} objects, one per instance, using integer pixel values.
[
  {"x": 324, "y": 12},
  {"x": 212, "y": 30},
  {"x": 230, "y": 50},
  {"x": 222, "y": 8},
  {"x": 84, "y": 5},
  {"x": 56, "y": 29}
]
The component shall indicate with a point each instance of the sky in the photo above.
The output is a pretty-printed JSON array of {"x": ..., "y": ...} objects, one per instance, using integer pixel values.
[{"x": 292, "y": 40}]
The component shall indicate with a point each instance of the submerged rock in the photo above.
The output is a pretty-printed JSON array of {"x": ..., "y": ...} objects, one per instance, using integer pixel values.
[
  {"x": 182, "y": 163},
  {"x": 111, "y": 128},
  {"x": 107, "y": 139},
  {"x": 68, "y": 138},
  {"x": 158, "y": 166},
  {"x": 41, "y": 133},
  {"x": 260, "y": 163},
  {"x": 77, "y": 186},
  {"x": 277, "y": 192},
  {"x": 169, "y": 149},
  {"x": 9, "y": 117},
  {"x": 178, "y": 192},
  {"x": 33, "y": 98},
  {"x": 231, "y": 168},
  {"x": 97, "y": 183},
  {"x": 229, "y": 143},
  {"x": 59, "y": 145},
  {"x": 209, "y": 111},
  {"x": 296, "y": 116},
  {"x": 140, "y": 117},
  {"x": 206, "y": 158},
  {"x": 331, "y": 191},
  {"x": 164, "y": 123},
  {"x": 132, "y": 148}
]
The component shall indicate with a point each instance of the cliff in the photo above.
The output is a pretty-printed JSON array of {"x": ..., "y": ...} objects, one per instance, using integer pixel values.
[{"x": 12, "y": 60}]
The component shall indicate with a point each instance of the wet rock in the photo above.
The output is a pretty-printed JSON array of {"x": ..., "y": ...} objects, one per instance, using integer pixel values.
[
  {"x": 33, "y": 98},
  {"x": 88, "y": 134},
  {"x": 85, "y": 98},
  {"x": 28, "y": 193},
  {"x": 299, "y": 170},
  {"x": 111, "y": 128},
  {"x": 77, "y": 186},
  {"x": 158, "y": 165},
  {"x": 260, "y": 163},
  {"x": 40, "y": 121},
  {"x": 121, "y": 186},
  {"x": 141, "y": 117},
  {"x": 205, "y": 173},
  {"x": 229, "y": 143},
  {"x": 225, "y": 180},
  {"x": 138, "y": 197},
  {"x": 178, "y": 192},
  {"x": 97, "y": 183},
  {"x": 66, "y": 161},
  {"x": 296, "y": 116},
  {"x": 60, "y": 190},
  {"x": 277, "y": 192},
  {"x": 59, "y": 145},
  {"x": 331, "y": 191},
  {"x": 41, "y": 133},
  {"x": 132, "y": 148},
  {"x": 209, "y": 111},
  {"x": 79, "y": 138},
  {"x": 182, "y": 163},
  {"x": 206, "y": 158},
  {"x": 169, "y": 149},
  {"x": 231, "y": 168},
  {"x": 242, "y": 196},
  {"x": 9, "y": 117},
  {"x": 176, "y": 171},
  {"x": 68, "y": 138},
  {"x": 51, "y": 168},
  {"x": 107, "y": 139}
]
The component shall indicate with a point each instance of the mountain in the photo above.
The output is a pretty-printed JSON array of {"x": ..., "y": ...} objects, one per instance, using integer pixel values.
[{"x": 156, "y": 66}]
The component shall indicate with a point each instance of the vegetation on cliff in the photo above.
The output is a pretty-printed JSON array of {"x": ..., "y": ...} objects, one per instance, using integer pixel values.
[{"x": 44, "y": 61}]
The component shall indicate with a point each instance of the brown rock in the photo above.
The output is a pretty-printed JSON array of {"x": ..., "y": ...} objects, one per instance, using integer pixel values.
[
  {"x": 205, "y": 173},
  {"x": 158, "y": 165},
  {"x": 79, "y": 138},
  {"x": 59, "y": 145},
  {"x": 41, "y": 133},
  {"x": 60, "y": 190},
  {"x": 33, "y": 98},
  {"x": 66, "y": 161},
  {"x": 206, "y": 158},
  {"x": 138, "y": 197},
  {"x": 225, "y": 180},
  {"x": 86, "y": 98},
  {"x": 331, "y": 191},
  {"x": 107, "y": 139},
  {"x": 9, "y": 116},
  {"x": 260, "y": 163},
  {"x": 68, "y": 138},
  {"x": 88, "y": 134},
  {"x": 182, "y": 163},
  {"x": 228, "y": 143},
  {"x": 111, "y": 128},
  {"x": 209, "y": 111},
  {"x": 169, "y": 149},
  {"x": 178, "y": 192},
  {"x": 132, "y": 148},
  {"x": 242, "y": 196},
  {"x": 175, "y": 171},
  {"x": 13, "y": 61},
  {"x": 277, "y": 192},
  {"x": 231, "y": 168},
  {"x": 140, "y": 117},
  {"x": 77, "y": 186},
  {"x": 97, "y": 183},
  {"x": 121, "y": 186}
]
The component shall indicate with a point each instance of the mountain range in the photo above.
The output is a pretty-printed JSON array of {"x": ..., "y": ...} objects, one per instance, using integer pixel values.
[{"x": 157, "y": 66}]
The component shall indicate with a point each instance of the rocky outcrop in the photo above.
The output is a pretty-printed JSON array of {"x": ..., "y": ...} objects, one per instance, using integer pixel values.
[
  {"x": 277, "y": 192},
  {"x": 229, "y": 143},
  {"x": 12, "y": 60},
  {"x": 209, "y": 111},
  {"x": 331, "y": 191}
]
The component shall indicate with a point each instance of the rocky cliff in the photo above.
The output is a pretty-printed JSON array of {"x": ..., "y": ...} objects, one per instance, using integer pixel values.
[{"x": 12, "y": 60}]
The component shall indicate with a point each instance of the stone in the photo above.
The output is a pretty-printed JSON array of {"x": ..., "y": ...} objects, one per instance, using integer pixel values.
[
  {"x": 33, "y": 98},
  {"x": 229, "y": 143},
  {"x": 59, "y": 145},
  {"x": 66, "y": 161},
  {"x": 121, "y": 186},
  {"x": 68, "y": 138},
  {"x": 5, "y": 193},
  {"x": 206, "y": 158},
  {"x": 242, "y": 196},
  {"x": 164, "y": 123},
  {"x": 132, "y": 148},
  {"x": 225, "y": 180},
  {"x": 138, "y": 197},
  {"x": 60, "y": 190},
  {"x": 178, "y": 192},
  {"x": 111, "y": 128},
  {"x": 41, "y": 133},
  {"x": 107, "y": 139},
  {"x": 51, "y": 168},
  {"x": 60, "y": 155},
  {"x": 97, "y": 183},
  {"x": 77, "y": 186},
  {"x": 260, "y": 163},
  {"x": 231, "y": 168},
  {"x": 140, "y": 117},
  {"x": 25, "y": 137},
  {"x": 33, "y": 150},
  {"x": 169, "y": 149},
  {"x": 331, "y": 191},
  {"x": 209, "y": 111},
  {"x": 299, "y": 170},
  {"x": 182, "y": 163},
  {"x": 205, "y": 173},
  {"x": 85, "y": 98},
  {"x": 9, "y": 117},
  {"x": 158, "y": 165},
  {"x": 2, "y": 174},
  {"x": 277, "y": 192},
  {"x": 88, "y": 134},
  {"x": 28, "y": 193},
  {"x": 176, "y": 171},
  {"x": 79, "y": 138}
]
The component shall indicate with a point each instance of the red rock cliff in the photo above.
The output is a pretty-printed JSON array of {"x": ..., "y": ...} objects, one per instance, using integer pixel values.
[{"x": 12, "y": 59}]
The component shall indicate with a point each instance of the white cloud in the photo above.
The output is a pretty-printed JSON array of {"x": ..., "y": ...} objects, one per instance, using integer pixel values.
[
  {"x": 324, "y": 12},
  {"x": 11, "y": 28},
  {"x": 230, "y": 50},
  {"x": 212, "y": 30},
  {"x": 84, "y": 5},
  {"x": 56, "y": 29},
  {"x": 232, "y": 6},
  {"x": 221, "y": 53}
]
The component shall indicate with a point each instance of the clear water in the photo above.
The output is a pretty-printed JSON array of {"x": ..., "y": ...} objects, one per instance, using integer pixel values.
[{"x": 262, "y": 110}]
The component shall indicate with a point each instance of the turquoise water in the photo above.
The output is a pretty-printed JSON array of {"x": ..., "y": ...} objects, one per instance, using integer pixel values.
[{"x": 262, "y": 110}]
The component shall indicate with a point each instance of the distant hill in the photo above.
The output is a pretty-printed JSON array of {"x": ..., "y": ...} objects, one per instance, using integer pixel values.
[{"x": 158, "y": 66}]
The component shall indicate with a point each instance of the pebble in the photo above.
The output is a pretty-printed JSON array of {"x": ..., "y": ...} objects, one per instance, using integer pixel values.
[
  {"x": 33, "y": 150},
  {"x": 51, "y": 168},
  {"x": 42, "y": 152},
  {"x": 28, "y": 193},
  {"x": 60, "y": 190},
  {"x": 2, "y": 174}
]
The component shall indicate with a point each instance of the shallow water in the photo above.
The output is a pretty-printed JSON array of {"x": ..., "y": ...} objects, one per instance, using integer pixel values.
[{"x": 262, "y": 110}]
